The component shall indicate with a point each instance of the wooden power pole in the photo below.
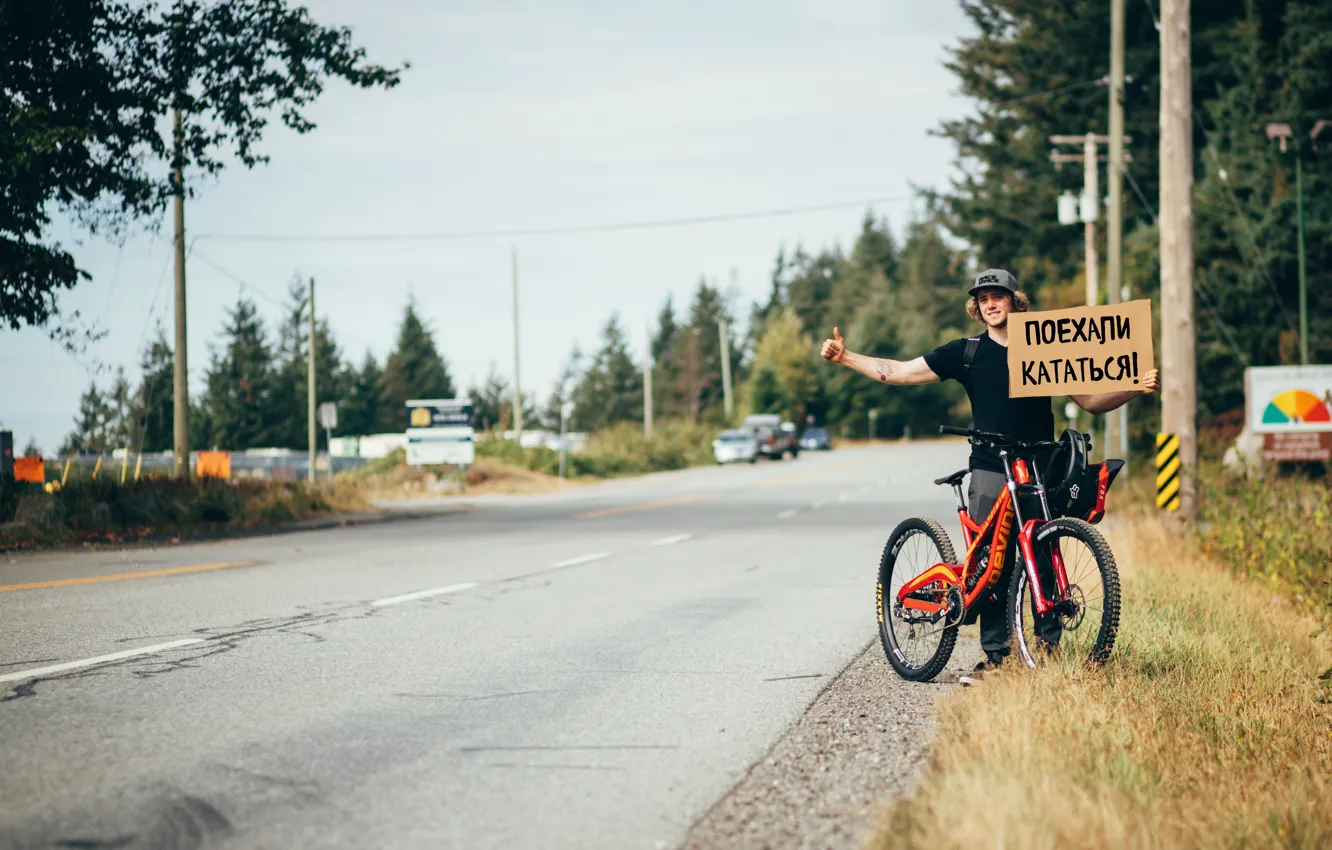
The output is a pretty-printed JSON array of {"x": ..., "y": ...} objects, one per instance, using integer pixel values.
[
  {"x": 1179, "y": 396},
  {"x": 181, "y": 395},
  {"x": 311, "y": 395},
  {"x": 1116, "y": 424},
  {"x": 517, "y": 380},
  {"x": 726, "y": 367},
  {"x": 647, "y": 387}
]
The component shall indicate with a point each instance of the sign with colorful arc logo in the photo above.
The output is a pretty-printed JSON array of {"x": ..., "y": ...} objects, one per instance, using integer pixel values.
[{"x": 1296, "y": 406}]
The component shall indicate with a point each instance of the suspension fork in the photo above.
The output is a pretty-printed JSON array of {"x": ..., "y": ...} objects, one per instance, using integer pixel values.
[{"x": 1027, "y": 546}]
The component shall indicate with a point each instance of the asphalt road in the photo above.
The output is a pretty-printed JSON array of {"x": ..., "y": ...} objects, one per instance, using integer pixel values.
[{"x": 593, "y": 668}]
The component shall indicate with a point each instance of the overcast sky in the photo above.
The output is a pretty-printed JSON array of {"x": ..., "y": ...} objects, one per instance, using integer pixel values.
[{"x": 534, "y": 115}]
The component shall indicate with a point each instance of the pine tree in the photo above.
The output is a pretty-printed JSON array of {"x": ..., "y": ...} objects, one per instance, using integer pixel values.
[
  {"x": 697, "y": 351},
  {"x": 32, "y": 449},
  {"x": 288, "y": 416},
  {"x": 155, "y": 402},
  {"x": 492, "y": 403},
  {"x": 611, "y": 390},
  {"x": 764, "y": 391},
  {"x": 783, "y": 369},
  {"x": 122, "y": 413},
  {"x": 90, "y": 426},
  {"x": 415, "y": 369},
  {"x": 359, "y": 414},
  {"x": 236, "y": 403},
  {"x": 565, "y": 386}
]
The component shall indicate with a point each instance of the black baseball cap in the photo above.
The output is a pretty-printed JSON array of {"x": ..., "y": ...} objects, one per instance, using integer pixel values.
[{"x": 993, "y": 279}]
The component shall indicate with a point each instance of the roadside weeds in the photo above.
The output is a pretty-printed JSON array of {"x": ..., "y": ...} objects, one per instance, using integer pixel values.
[{"x": 1209, "y": 726}]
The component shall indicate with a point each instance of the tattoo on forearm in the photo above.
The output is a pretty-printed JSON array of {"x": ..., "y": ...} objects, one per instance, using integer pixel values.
[{"x": 885, "y": 370}]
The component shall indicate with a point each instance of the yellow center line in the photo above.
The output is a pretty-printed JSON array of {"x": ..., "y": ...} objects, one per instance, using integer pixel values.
[
  {"x": 678, "y": 500},
  {"x": 169, "y": 571}
]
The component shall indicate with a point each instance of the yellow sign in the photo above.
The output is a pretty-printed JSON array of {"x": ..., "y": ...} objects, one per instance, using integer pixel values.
[
  {"x": 420, "y": 417},
  {"x": 1167, "y": 471}
]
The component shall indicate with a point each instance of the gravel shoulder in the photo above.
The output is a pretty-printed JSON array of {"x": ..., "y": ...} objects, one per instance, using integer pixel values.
[{"x": 862, "y": 742}]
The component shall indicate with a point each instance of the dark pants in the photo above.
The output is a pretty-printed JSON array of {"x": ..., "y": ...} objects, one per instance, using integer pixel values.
[{"x": 982, "y": 492}]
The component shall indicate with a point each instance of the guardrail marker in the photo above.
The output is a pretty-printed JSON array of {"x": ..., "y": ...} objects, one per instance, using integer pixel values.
[{"x": 1167, "y": 471}]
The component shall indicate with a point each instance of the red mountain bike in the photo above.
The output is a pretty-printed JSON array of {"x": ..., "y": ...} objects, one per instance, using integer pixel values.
[{"x": 1063, "y": 596}]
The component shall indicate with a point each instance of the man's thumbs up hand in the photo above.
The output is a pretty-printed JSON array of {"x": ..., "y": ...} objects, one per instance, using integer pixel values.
[{"x": 833, "y": 349}]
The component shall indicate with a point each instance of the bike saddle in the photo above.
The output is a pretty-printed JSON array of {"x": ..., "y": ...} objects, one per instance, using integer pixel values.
[{"x": 954, "y": 479}]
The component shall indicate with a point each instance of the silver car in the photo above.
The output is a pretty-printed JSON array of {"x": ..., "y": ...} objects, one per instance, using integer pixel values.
[{"x": 738, "y": 444}]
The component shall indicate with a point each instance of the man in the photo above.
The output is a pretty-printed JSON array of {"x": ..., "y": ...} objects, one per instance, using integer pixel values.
[{"x": 992, "y": 297}]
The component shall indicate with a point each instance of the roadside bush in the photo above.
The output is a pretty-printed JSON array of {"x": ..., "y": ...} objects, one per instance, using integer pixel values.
[
  {"x": 1278, "y": 529},
  {"x": 621, "y": 449},
  {"x": 104, "y": 509}
]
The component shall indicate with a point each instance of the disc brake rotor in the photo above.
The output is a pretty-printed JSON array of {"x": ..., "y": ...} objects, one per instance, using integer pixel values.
[{"x": 1075, "y": 605}]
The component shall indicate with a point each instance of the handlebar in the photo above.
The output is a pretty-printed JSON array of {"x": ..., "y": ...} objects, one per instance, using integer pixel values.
[{"x": 998, "y": 441}]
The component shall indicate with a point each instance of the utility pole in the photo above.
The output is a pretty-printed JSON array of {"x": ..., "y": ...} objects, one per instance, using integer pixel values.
[
  {"x": 693, "y": 374},
  {"x": 517, "y": 381},
  {"x": 181, "y": 400},
  {"x": 1116, "y": 424},
  {"x": 310, "y": 381},
  {"x": 647, "y": 385},
  {"x": 1281, "y": 132},
  {"x": 1087, "y": 209},
  {"x": 1179, "y": 396},
  {"x": 726, "y": 366},
  {"x": 1088, "y": 205}
]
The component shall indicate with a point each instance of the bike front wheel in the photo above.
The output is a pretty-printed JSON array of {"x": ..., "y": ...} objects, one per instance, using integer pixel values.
[
  {"x": 916, "y": 648},
  {"x": 1082, "y": 627}
]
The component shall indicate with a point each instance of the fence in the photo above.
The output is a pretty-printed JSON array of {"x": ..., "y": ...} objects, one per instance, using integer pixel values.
[{"x": 273, "y": 464}]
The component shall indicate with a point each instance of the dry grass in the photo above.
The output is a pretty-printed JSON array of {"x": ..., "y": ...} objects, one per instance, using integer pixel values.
[
  {"x": 485, "y": 476},
  {"x": 1209, "y": 727}
]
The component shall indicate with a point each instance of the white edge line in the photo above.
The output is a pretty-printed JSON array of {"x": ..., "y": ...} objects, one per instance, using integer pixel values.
[
  {"x": 820, "y": 503},
  {"x": 667, "y": 541},
  {"x": 421, "y": 594},
  {"x": 787, "y": 514},
  {"x": 581, "y": 559},
  {"x": 38, "y": 672}
]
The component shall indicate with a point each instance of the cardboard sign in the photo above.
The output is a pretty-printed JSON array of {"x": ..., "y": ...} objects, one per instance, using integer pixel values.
[{"x": 1079, "y": 351}]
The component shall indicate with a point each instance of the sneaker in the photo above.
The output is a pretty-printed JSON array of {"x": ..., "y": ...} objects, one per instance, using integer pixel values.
[{"x": 970, "y": 680}]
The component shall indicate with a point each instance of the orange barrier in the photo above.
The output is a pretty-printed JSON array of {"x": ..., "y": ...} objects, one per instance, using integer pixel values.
[
  {"x": 213, "y": 465},
  {"x": 30, "y": 469}
]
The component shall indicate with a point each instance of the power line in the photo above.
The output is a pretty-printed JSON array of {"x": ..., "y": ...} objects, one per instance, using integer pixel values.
[
  {"x": 246, "y": 287},
  {"x": 550, "y": 231},
  {"x": 1138, "y": 190}
]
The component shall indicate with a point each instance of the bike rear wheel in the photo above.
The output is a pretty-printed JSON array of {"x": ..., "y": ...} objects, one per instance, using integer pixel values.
[
  {"x": 916, "y": 649},
  {"x": 1081, "y": 631}
]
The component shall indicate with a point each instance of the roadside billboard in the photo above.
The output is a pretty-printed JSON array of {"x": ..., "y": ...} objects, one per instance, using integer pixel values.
[
  {"x": 439, "y": 431},
  {"x": 1291, "y": 406},
  {"x": 1080, "y": 351}
]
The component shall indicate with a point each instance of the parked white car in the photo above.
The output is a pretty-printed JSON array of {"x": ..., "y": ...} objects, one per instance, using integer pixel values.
[{"x": 736, "y": 445}]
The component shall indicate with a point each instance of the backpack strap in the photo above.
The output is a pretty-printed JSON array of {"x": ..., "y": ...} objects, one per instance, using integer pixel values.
[{"x": 969, "y": 354}]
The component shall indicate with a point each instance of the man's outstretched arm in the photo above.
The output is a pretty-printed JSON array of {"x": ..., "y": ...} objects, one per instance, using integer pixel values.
[
  {"x": 1106, "y": 402},
  {"x": 883, "y": 370}
]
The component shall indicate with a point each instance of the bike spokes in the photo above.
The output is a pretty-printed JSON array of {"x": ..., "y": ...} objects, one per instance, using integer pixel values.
[
  {"x": 1081, "y": 626},
  {"x": 918, "y": 643}
]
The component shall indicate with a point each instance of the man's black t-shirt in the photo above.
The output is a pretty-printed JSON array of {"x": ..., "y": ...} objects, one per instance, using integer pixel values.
[{"x": 1028, "y": 419}]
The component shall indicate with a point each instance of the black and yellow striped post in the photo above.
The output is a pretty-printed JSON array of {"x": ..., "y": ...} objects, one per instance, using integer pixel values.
[{"x": 1167, "y": 471}]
